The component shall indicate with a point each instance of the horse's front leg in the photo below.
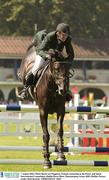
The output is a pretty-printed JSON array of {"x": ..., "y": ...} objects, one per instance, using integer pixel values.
[
  {"x": 60, "y": 139},
  {"x": 46, "y": 138}
]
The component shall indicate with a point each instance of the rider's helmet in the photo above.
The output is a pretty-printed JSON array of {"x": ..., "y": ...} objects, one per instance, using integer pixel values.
[{"x": 62, "y": 27}]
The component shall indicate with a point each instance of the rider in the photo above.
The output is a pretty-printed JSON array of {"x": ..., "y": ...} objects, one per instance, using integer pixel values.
[{"x": 55, "y": 41}]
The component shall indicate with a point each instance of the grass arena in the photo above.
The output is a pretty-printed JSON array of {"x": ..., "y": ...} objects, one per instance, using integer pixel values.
[{"x": 21, "y": 151}]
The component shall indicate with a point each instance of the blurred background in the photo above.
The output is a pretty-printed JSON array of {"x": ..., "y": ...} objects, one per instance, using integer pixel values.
[{"x": 89, "y": 23}]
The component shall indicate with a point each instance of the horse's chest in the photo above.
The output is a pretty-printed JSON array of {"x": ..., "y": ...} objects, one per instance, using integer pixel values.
[{"x": 53, "y": 104}]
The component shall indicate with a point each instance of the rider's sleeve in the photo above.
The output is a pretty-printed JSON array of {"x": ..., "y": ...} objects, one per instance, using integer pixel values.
[
  {"x": 44, "y": 47},
  {"x": 69, "y": 49}
]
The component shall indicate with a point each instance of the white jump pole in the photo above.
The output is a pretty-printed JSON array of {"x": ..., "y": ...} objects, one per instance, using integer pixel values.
[
  {"x": 74, "y": 141},
  {"x": 74, "y": 128},
  {"x": 76, "y": 117},
  {"x": 85, "y": 104}
]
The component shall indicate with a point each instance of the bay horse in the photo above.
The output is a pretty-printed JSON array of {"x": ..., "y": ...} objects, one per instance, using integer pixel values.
[{"x": 50, "y": 97}]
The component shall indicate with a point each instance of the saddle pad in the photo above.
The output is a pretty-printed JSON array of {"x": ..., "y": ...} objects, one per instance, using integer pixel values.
[{"x": 39, "y": 73}]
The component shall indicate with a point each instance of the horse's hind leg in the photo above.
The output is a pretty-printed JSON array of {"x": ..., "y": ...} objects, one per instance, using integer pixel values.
[
  {"x": 46, "y": 138},
  {"x": 60, "y": 139}
]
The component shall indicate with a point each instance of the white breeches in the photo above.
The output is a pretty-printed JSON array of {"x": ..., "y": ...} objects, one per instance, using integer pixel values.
[{"x": 38, "y": 63}]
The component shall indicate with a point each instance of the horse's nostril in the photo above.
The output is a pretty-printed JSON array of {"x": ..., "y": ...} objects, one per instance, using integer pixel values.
[{"x": 61, "y": 91}]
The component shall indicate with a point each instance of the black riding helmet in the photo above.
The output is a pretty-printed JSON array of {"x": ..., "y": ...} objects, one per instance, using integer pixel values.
[{"x": 64, "y": 28}]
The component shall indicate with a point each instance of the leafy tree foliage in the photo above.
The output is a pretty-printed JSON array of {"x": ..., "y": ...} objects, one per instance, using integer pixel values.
[{"x": 89, "y": 19}]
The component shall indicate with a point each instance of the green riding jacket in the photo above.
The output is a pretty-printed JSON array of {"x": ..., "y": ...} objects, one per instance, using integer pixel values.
[{"x": 51, "y": 42}]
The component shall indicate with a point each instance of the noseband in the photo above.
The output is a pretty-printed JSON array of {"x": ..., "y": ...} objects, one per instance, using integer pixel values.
[
  {"x": 69, "y": 73},
  {"x": 58, "y": 73}
]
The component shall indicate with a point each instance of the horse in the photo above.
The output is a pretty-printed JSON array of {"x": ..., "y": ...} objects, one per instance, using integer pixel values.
[{"x": 50, "y": 97}]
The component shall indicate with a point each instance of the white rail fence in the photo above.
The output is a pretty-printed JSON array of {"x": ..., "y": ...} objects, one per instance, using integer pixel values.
[{"x": 28, "y": 124}]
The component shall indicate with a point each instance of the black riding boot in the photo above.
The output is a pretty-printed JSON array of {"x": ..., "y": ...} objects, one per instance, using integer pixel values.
[{"x": 29, "y": 82}]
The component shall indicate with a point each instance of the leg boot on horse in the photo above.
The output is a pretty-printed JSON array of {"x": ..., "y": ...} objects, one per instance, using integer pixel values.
[{"x": 29, "y": 82}]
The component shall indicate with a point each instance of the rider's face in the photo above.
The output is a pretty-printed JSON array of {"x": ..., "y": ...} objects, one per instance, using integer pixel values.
[{"x": 62, "y": 36}]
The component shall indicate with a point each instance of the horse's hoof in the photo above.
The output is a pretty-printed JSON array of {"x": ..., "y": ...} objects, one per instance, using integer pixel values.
[
  {"x": 47, "y": 165},
  {"x": 61, "y": 157}
]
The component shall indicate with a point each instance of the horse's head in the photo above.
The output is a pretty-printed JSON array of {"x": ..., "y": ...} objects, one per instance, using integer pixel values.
[{"x": 58, "y": 70}]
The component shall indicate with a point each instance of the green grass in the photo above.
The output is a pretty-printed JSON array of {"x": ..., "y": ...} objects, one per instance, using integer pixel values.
[{"x": 30, "y": 141}]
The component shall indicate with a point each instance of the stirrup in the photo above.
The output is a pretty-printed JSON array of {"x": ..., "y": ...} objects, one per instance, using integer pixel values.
[
  {"x": 24, "y": 89},
  {"x": 22, "y": 96},
  {"x": 22, "y": 93}
]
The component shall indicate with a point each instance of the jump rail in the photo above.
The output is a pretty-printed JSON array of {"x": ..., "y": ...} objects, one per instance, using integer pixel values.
[
  {"x": 54, "y": 149},
  {"x": 55, "y": 162},
  {"x": 34, "y": 108}
]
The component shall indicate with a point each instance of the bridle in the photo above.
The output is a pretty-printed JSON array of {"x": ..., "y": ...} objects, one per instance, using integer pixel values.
[{"x": 60, "y": 73}]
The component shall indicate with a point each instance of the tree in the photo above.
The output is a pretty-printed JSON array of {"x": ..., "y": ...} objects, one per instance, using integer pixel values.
[{"x": 87, "y": 19}]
